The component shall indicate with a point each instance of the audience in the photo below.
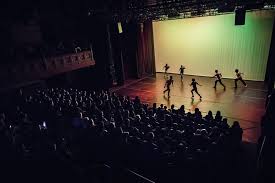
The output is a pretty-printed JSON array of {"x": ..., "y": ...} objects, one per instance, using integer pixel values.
[{"x": 107, "y": 128}]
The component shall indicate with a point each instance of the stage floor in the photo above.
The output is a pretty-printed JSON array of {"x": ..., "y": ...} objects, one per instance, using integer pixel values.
[{"x": 246, "y": 105}]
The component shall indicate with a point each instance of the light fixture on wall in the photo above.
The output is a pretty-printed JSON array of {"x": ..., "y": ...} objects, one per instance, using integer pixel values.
[
  {"x": 119, "y": 26},
  {"x": 141, "y": 27}
]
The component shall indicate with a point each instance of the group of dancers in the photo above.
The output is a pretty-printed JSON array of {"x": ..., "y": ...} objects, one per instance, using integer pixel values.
[{"x": 194, "y": 83}]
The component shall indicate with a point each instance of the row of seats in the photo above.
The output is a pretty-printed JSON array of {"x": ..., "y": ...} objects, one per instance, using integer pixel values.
[{"x": 101, "y": 127}]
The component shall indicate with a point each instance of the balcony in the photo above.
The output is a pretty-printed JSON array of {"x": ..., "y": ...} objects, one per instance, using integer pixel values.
[{"x": 11, "y": 74}]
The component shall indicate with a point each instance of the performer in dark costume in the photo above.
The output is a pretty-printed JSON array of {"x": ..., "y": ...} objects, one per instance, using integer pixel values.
[
  {"x": 167, "y": 85},
  {"x": 195, "y": 89},
  {"x": 166, "y": 67},
  {"x": 218, "y": 79},
  {"x": 239, "y": 77},
  {"x": 181, "y": 71}
]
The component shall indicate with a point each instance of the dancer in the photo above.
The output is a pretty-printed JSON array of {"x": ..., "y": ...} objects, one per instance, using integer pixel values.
[
  {"x": 181, "y": 72},
  {"x": 239, "y": 77},
  {"x": 195, "y": 89},
  {"x": 166, "y": 67},
  {"x": 167, "y": 85},
  {"x": 218, "y": 79}
]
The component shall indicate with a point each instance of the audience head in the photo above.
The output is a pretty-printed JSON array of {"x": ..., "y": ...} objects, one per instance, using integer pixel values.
[
  {"x": 108, "y": 116},
  {"x": 236, "y": 124}
]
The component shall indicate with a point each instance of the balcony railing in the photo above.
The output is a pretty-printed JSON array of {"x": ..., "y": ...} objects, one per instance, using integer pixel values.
[{"x": 44, "y": 68}]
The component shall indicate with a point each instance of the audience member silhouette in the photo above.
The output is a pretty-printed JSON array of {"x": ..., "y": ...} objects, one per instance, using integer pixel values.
[{"x": 74, "y": 124}]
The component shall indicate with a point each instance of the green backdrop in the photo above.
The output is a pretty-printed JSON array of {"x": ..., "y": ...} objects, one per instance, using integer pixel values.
[{"x": 204, "y": 44}]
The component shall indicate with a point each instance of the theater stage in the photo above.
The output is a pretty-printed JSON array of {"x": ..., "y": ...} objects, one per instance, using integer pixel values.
[{"x": 246, "y": 105}]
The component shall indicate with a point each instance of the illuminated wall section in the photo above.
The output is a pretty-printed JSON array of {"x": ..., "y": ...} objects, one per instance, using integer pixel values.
[{"x": 204, "y": 44}]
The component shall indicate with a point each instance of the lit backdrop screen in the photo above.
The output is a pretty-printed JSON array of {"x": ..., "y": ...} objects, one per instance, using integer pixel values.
[{"x": 204, "y": 44}]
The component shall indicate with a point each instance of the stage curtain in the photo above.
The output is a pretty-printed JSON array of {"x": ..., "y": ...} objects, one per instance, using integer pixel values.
[
  {"x": 270, "y": 74},
  {"x": 204, "y": 44},
  {"x": 145, "y": 50}
]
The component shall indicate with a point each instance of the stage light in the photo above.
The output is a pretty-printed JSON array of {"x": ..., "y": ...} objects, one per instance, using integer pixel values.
[
  {"x": 254, "y": 6},
  {"x": 142, "y": 10},
  {"x": 268, "y": 6},
  {"x": 187, "y": 15},
  {"x": 119, "y": 26},
  {"x": 226, "y": 8},
  {"x": 141, "y": 27},
  {"x": 173, "y": 14}
]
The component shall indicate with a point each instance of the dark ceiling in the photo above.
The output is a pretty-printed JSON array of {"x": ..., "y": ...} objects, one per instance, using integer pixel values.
[{"x": 139, "y": 10}]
